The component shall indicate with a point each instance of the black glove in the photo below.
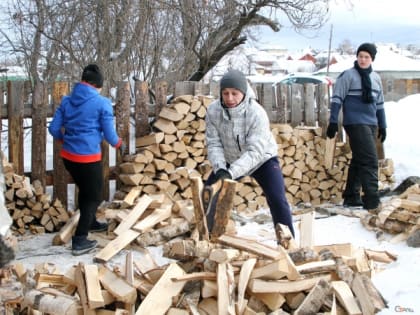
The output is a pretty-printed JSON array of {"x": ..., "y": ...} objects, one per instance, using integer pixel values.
[
  {"x": 223, "y": 174},
  {"x": 332, "y": 130},
  {"x": 122, "y": 148},
  {"x": 382, "y": 134}
]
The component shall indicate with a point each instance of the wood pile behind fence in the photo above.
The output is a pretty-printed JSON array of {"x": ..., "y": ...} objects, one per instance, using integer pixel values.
[{"x": 293, "y": 105}]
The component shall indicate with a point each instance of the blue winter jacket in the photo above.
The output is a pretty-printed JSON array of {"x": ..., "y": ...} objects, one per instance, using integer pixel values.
[{"x": 82, "y": 121}]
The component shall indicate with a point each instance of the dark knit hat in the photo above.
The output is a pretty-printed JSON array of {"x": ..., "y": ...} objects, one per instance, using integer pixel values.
[
  {"x": 234, "y": 79},
  {"x": 369, "y": 48},
  {"x": 93, "y": 75}
]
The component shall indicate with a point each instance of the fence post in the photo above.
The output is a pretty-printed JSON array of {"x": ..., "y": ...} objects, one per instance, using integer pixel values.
[
  {"x": 15, "y": 108},
  {"x": 141, "y": 111},
  {"x": 39, "y": 132},
  {"x": 2, "y": 115},
  {"x": 283, "y": 95},
  {"x": 309, "y": 104},
  {"x": 122, "y": 114},
  {"x": 161, "y": 94},
  {"x": 296, "y": 105},
  {"x": 323, "y": 105},
  {"x": 184, "y": 88},
  {"x": 60, "y": 175}
]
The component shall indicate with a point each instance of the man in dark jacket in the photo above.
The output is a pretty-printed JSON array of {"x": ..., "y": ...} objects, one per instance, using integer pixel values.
[
  {"x": 358, "y": 91},
  {"x": 82, "y": 121}
]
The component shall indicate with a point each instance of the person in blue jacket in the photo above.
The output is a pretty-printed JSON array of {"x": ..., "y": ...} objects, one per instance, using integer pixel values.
[
  {"x": 358, "y": 92},
  {"x": 83, "y": 119}
]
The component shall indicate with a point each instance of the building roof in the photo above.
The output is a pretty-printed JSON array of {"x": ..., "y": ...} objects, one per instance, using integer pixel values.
[{"x": 385, "y": 60}]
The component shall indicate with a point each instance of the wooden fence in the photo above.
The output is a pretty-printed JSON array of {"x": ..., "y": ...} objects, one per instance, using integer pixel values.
[{"x": 295, "y": 104}]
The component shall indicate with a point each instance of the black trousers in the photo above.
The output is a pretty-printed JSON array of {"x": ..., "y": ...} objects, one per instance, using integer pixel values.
[
  {"x": 89, "y": 179},
  {"x": 363, "y": 169}
]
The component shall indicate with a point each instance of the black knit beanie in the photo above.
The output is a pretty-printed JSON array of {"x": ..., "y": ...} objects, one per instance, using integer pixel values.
[
  {"x": 93, "y": 75},
  {"x": 234, "y": 79},
  {"x": 369, "y": 48}
]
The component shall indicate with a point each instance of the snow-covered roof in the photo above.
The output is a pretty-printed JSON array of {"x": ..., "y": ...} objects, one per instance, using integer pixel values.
[{"x": 385, "y": 60}]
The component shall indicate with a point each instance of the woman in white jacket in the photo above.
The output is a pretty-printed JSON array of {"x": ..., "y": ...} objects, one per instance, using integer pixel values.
[{"x": 240, "y": 143}]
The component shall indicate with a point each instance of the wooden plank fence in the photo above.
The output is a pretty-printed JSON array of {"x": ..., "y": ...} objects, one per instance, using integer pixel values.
[{"x": 292, "y": 104}]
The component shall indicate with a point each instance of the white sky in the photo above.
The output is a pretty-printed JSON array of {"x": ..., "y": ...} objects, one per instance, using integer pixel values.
[{"x": 368, "y": 20}]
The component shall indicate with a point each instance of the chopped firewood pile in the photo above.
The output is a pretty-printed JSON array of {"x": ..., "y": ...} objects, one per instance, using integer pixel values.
[
  {"x": 29, "y": 206},
  {"x": 398, "y": 216},
  {"x": 224, "y": 275}
]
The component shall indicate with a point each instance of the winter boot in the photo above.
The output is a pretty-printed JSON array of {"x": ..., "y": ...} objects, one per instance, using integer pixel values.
[
  {"x": 371, "y": 201},
  {"x": 353, "y": 201},
  {"x": 98, "y": 226},
  {"x": 81, "y": 245}
]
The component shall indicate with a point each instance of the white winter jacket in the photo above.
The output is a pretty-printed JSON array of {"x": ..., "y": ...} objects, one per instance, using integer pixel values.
[{"x": 239, "y": 137}]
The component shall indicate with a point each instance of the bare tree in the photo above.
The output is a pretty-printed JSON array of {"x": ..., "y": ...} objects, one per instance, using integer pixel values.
[
  {"x": 345, "y": 47},
  {"x": 146, "y": 39}
]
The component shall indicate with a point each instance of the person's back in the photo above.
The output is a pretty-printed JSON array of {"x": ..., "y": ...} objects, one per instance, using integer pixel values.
[{"x": 81, "y": 122}]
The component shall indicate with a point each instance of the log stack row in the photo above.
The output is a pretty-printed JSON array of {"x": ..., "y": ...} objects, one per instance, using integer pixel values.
[
  {"x": 29, "y": 206},
  {"x": 176, "y": 150},
  {"x": 398, "y": 216}
]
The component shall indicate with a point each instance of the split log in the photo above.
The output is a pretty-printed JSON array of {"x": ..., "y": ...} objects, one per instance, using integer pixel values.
[
  {"x": 159, "y": 299},
  {"x": 314, "y": 300},
  {"x": 66, "y": 232},
  {"x": 118, "y": 287},
  {"x": 50, "y": 304},
  {"x": 225, "y": 289},
  {"x": 244, "y": 276},
  {"x": 158, "y": 236}
]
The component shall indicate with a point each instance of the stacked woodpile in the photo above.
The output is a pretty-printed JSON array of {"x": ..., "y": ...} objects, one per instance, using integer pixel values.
[
  {"x": 29, "y": 206},
  {"x": 398, "y": 216},
  {"x": 167, "y": 158},
  {"x": 302, "y": 151}
]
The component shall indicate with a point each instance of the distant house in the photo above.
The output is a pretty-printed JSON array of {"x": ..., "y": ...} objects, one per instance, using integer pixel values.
[
  {"x": 308, "y": 57},
  {"x": 400, "y": 75},
  {"x": 13, "y": 73}
]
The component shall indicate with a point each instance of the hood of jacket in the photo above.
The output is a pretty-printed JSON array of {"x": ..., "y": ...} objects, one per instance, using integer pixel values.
[{"x": 82, "y": 93}]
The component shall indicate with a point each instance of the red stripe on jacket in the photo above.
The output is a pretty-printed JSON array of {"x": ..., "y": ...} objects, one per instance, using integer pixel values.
[{"x": 81, "y": 158}]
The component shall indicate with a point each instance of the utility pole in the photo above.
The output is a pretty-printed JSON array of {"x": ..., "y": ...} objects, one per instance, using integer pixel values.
[{"x": 329, "y": 50}]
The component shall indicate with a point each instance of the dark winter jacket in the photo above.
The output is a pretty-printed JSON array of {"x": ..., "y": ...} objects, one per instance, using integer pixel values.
[
  {"x": 348, "y": 94},
  {"x": 82, "y": 121}
]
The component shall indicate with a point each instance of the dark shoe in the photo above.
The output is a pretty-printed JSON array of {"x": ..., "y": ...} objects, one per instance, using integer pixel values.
[
  {"x": 374, "y": 208},
  {"x": 352, "y": 202},
  {"x": 81, "y": 245},
  {"x": 371, "y": 202},
  {"x": 99, "y": 227}
]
